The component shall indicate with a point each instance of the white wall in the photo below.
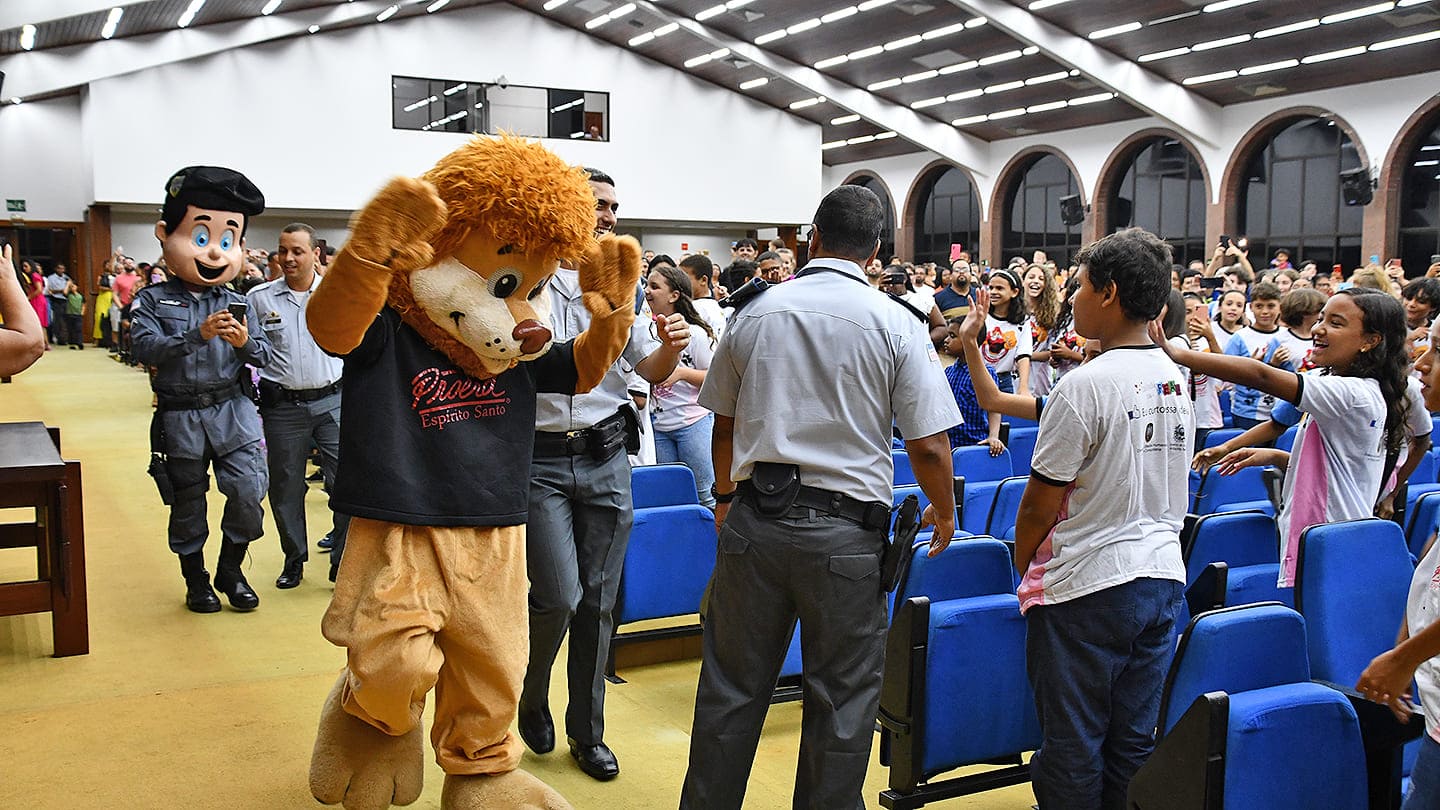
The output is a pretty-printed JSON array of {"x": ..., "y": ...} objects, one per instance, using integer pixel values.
[
  {"x": 668, "y": 240},
  {"x": 133, "y": 228},
  {"x": 42, "y": 159},
  {"x": 1376, "y": 111},
  {"x": 308, "y": 119}
]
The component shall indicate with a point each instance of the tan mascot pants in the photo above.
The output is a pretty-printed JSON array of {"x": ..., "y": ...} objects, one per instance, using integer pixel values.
[{"x": 433, "y": 606}]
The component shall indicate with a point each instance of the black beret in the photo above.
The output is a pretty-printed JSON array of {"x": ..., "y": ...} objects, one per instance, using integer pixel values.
[{"x": 212, "y": 187}]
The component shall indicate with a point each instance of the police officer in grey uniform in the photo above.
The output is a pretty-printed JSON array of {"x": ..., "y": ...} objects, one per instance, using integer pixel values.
[
  {"x": 188, "y": 329},
  {"x": 811, "y": 494},
  {"x": 580, "y": 517},
  {"x": 299, "y": 400}
]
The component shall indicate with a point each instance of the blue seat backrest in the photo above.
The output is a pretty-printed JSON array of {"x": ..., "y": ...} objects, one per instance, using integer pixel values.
[
  {"x": 1000, "y": 522},
  {"x": 1234, "y": 538},
  {"x": 662, "y": 485},
  {"x": 979, "y": 497},
  {"x": 1221, "y": 435},
  {"x": 904, "y": 474},
  {"x": 1309, "y": 727},
  {"x": 1423, "y": 519},
  {"x": 668, "y": 562},
  {"x": 1225, "y": 403},
  {"x": 1216, "y": 489},
  {"x": 973, "y": 566},
  {"x": 1234, "y": 650},
  {"x": 1286, "y": 441},
  {"x": 898, "y": 494},
  {"x": 976, "y": 464},
  {"x": 1425, "y": 470},
  {"x": 1022, "y": 448},
  {"x": 1249, "y": 584},
  {"x": 1020, "y": 422},
  {"x": 792, "y": 665},
  {"x": 978, "y": 704},
  {"x": 1352, "y": 582}
]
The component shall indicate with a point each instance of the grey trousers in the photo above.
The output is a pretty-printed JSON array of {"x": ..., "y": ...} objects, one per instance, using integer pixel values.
[
  {"x": 769, "y": 571},
  {"x": 580, "y": 519},
  {"x": 240, "y": 477},
  {"x": 290, "y": 429}
]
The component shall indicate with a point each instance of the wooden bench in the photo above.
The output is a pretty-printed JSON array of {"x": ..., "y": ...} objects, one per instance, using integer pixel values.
[{"x": 32, "y": 475}]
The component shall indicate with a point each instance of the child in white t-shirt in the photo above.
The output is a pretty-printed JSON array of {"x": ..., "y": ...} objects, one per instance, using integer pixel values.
[
  {"x": 1355, "y": 414},
  {"x": 1204, "y": 389},
  {"x": 682, "y": 425},
  {"x": 1008, "y": 341},
  {"x": 1248, "y": 406},
  {"x": 1097, "y": 535}
]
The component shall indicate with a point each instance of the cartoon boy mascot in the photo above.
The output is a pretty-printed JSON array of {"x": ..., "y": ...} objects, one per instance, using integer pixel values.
[
  {"x": 195, "y": 332},
  {"x": 438, "y": 305}
]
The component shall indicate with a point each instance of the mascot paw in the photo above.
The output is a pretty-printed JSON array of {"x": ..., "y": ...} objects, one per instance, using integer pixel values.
[
  {"x": 395, "y": 228},
  {"x": 516, "y": 790},
  {"x": 361, "y": 765},
  {"x": 609, "y": 273}
]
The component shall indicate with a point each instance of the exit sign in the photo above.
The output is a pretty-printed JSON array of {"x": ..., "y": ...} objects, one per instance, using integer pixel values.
[{"x": 17, "y": 206}]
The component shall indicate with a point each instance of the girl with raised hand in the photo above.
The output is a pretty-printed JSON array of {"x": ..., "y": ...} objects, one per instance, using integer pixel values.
[
  {"x": 682, "y": 426},
  {"x": 1042, "y": 301},
  {"x": 1007, "y": 343},
  {"x": 1354, "y": 405}
]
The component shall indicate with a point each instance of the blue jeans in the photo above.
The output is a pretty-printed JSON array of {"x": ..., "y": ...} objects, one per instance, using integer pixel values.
[
  {"x": 690, "y": 445},
  {"x": 1097, "y": 665},
  {"x": 1425, "y": 777}
]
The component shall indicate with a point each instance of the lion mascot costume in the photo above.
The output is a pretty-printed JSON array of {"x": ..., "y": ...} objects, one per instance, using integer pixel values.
[{"x": 437, "y": 304}]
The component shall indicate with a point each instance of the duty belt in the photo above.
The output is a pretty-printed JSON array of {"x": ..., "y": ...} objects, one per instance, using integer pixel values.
[
  {"x": 869, "y": 514},
  {"x": 270, "y": 390},
  {"x": 592, "y": 441},
  {"x": 191, "y": 400}
]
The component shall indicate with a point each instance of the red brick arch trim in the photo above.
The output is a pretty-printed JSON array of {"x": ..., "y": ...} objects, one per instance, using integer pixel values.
[{"x": 1014, "y": 169}]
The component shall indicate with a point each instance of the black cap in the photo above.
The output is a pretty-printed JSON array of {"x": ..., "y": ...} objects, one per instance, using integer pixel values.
[{"x": 212, "y": 187}]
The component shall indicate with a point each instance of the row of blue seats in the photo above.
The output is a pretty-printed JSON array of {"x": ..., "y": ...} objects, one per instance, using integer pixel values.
[{"x": 1242, "y": 724}]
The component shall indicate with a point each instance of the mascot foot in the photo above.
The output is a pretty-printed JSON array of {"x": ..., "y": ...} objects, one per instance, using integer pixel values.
[
  {"x": 362, "y": 766},
  {"x": 516, "y": 790}
]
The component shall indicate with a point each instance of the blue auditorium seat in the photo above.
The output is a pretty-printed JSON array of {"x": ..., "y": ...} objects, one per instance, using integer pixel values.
[
  {"x": 980, "y": 474},
  {"x": 668, "y": 563},
  {"x": 1245, "y": 489},
  {"x": 1022, "y": 448},
  {"x": 1352, "y": 580},
  {"x": 1219, "y": 436},
  {"x": 1422, "y": 521},
  {"x": 1248, "y": 544},
  {"x": 1225, "y": 406},
  {"x": 970, "y": 566},
  {"x": 1236, "y": 701},
  {"x": 1286, "y": 440},
  {"x": 1424, "y": 472},
  {"x": 655, "y": 485},
  {"x": 1000, "y": 521},
  {"x": 904, "y": 474}
]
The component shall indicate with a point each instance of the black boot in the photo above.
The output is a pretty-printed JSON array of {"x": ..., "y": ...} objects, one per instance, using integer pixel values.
[
  {"x": 199, "y": 597},
  {"x": 230, "y": 581}
]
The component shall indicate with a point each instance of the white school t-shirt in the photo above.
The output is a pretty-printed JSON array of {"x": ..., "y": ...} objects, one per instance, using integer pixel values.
[
  {"x": 1421, "y": 610},
  {"x": 1203, "y": 389},
  {"x": 713, "y": 314},
  {"x": 1117, "y": 434},
  {"x": 1300, "y": 350},
  {"x": 1005, "y": 343},
  {"x": 1336, "y": 464},
  {"x": 677, "y": 406}
]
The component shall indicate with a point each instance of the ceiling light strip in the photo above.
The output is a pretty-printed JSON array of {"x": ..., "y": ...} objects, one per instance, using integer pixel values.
[
  {"x": 188, "y": 16},
  {"x": 112, "y": 22}
]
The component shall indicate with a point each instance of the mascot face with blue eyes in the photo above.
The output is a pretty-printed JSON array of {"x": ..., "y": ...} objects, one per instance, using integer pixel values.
[{"x": 203, "y": 243}]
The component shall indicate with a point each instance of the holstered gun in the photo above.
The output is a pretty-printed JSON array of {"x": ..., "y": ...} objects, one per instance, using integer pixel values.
[
  {"x": 896, "y": 560},
  {"x": 157, "y": 469}
]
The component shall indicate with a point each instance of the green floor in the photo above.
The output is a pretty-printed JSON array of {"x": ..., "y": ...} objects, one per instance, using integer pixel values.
[{"x": 172, "y": 710}]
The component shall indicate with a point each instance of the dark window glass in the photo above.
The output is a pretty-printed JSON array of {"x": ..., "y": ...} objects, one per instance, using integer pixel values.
[
  {"x": 1420, "y": 204},
  {"x": 1163, "y": 191},
  {"x": 1033, "y": 205},
  {"x": 449, "y": 105},
  {"x": 887, "y": 236},
  {"x": 949, "y": 214},
  {"x": 1291, "y": 198}
]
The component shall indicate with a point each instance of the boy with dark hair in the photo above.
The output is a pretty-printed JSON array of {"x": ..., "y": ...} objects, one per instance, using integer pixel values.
[
  {"x": 701, "y": 271},
  {"x": 1097, "y": 536},
  {"x": 1250, "y": 406},
  {"x": 746, "y": 249},
  {"x": 1421, "y": 298}
]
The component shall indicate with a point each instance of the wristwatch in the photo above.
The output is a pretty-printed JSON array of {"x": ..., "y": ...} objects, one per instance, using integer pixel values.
[{"x": 721, "y": 497}]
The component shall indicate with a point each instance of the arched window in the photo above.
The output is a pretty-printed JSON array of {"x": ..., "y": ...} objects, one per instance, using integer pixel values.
[
  {"x": 887, "y": 234},
  {"x": 1291, "y": 197},
  {"x": 1420, "y": 204},
  {"x": 949, "y": 214},
  {"x": 1033, "y": 206},
  {"x": 1163, "y": 191}
]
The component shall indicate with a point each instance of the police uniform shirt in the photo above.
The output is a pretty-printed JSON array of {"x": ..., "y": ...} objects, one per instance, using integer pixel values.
[
  {"x": 815, "y": 370},
  {"x": 558, "y": 413},
  {"x": 165, "y": 332},
  {"x": 296, "y": 362}
]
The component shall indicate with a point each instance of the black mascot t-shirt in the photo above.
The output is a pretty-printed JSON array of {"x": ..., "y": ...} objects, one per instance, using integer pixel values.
[{"x": 424, "y": 443}]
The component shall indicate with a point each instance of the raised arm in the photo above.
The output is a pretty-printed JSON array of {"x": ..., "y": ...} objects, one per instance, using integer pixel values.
[
  {"x": 1244, "y": 371},
  {"x": 987, "y": 393}
]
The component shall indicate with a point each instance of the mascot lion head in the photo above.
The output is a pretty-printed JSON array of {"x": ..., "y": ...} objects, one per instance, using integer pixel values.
[{"x": 515, "y": 210}]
